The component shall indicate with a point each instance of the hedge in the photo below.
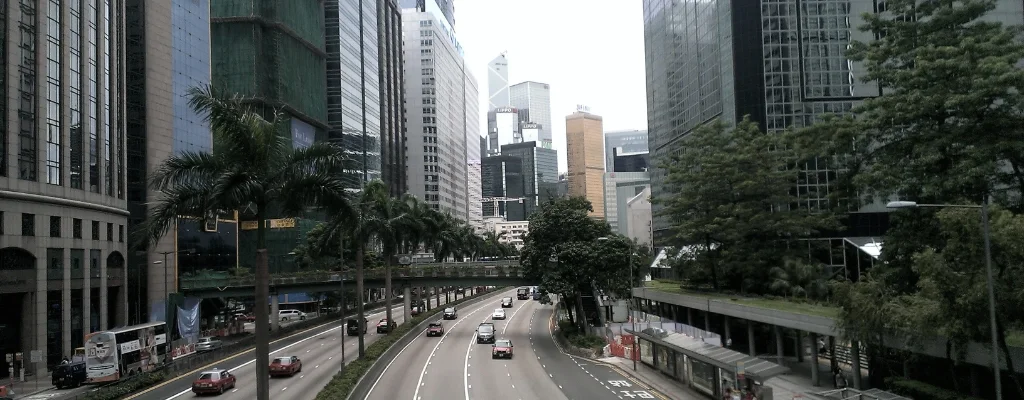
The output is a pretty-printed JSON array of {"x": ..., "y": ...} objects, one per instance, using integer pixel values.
[
  {"x": 126, "y": 387},
  {"x": 918, "y": 390},
  {"x": 342, "y": 384}
]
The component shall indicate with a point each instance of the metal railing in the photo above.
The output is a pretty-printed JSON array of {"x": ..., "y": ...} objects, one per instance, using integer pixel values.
[{"x": 480, "y": 269}]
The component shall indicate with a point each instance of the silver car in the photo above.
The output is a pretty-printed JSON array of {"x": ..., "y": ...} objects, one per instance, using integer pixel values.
[{"x": 207, "y": 344}]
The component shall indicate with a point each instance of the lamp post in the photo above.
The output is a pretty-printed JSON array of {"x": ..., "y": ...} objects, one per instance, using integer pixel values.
[
  {"x": 167, "y": 299},
  {"x": 996, "y": 367},
  {"x": 629, "y": 304},
  {"x": 341, "y": 259}
]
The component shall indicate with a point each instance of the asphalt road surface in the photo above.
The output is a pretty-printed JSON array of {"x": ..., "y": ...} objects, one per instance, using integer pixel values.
[
  {"x": 318, "y": 348},
  {"x": 455, "y": 366}
]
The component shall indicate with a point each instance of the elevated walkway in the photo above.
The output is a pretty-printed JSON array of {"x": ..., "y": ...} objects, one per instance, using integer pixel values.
[{"x": 477, "y": 273}]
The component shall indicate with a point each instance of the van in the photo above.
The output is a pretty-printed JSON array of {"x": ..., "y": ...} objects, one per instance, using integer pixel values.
[
  {"x": 291, "y": 315},
  {"x": 353, "y": 326},
  {"x": 69, "y": 375}
]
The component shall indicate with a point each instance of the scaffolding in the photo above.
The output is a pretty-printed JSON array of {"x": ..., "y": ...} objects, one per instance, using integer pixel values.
[{"x": 273, "y": 52}]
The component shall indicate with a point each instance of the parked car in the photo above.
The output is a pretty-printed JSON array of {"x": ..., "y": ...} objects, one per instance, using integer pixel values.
[
  {"x": 215, "y": 381},
  {"x": 208, "y": 344},
  {"x": 287, "y": 315},
  {"x": 69, "y": 375}
]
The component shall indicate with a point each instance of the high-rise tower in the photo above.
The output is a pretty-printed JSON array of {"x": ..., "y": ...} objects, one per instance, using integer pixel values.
[
  {"x": 535, "y": 99},
  {"x": 584, "y": 145},
  {"x": 497, "y": 83}
]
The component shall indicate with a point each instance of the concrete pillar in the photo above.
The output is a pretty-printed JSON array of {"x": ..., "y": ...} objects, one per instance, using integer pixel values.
[
  {"x": 275, "y": 314},
  {"x": 750, "y": 338},
  {"x": 707, "y": 321},
  {"x": 437, "y": 295},
  {"x": 815, "y": 378},
  {"x": 726, "y": 333},
  {"x": 87, "y": 297},
  {"x": 447, "y": 296},
  {"x": 779, "y": 348},
  {"x": 855, "y": 362},
  {"x": 799, "y": 346},
  {"x": 689, "y": 316},
  {"x": 105, "y": 292},
  {"x": 675, "y": 312},
  {"x": 65, "y": 315},
  {"x": 408, "y": 303},
  {"x": 39, "y": 315}
]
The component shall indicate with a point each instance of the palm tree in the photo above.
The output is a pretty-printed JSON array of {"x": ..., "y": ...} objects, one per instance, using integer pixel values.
[
  {"x": 252, "y": 166},
  {"x": 375, "y": 219}
]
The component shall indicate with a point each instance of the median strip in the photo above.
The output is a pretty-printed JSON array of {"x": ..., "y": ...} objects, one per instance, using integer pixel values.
[{"x": 344, "y": 385}]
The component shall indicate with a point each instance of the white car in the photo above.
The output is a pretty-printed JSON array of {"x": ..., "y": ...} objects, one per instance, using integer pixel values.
[
  {"x": 286, "y": 315},
  {"x": 499, "y": 313}
]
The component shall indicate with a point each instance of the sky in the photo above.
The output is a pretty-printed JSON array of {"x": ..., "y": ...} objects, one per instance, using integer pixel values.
[{"x": 591, "y": 52}]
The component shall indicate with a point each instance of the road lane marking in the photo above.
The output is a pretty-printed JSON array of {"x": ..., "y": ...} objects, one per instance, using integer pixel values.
[
  {"x": 400, "y": 353},
  {"x": 434, "y": 350},
  {"x": 183, "y": 392}
]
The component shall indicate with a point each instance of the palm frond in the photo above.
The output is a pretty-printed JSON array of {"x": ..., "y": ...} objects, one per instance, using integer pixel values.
[
  {"x": 185, "y": 168},
  {"x": 177, "y": 201}
]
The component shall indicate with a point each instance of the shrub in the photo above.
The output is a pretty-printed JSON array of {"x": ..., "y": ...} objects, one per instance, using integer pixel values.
[
  {"x": 126, "y": 387},
  {"x": 922, "y": 391},
  {"x": 342, "y": 384}
]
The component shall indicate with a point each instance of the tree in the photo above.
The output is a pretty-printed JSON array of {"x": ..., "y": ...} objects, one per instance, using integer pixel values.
[
  {"x": 797, "y": 278},
  {"x": 948, "y": 126},
  {"x": 251, "y": 166},
  {"x": 732, "y": 199}
]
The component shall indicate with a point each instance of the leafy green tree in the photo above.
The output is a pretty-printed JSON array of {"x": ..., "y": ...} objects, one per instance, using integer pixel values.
[
  {"x": 796, "y": 278},
  {"x": 732, "y": 199},
  {"x": 251, "y": 166}
]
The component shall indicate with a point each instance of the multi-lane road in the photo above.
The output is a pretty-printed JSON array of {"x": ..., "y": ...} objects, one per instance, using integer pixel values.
[{"x": 455, "y": 366}]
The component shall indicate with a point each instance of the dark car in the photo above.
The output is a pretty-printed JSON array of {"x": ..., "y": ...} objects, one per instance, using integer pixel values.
[
  {"x": 69, "y": 375},
  {"x": 352, "y": 326},
  {"x": 501, "y": 349},
  {"x": 506, "y": 302},
  {"x": 450, "y": 313},
  {"x": 523, "y": 293},
  {"x": 385, "y": 326},
  {"x": 485, "y": 333},
  {"x": 435, "y": 329},
  {"x": 215, "y": 381}
]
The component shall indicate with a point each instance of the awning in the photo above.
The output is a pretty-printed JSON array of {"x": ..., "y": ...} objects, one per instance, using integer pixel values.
[
  {"x": 716, "y": 355},
  {"x": 854, "y": 394},
  {"x": 871, "y": 246}
]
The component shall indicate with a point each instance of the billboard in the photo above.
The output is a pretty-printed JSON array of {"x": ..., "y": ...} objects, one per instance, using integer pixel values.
[{"x": 303, "y": 134}]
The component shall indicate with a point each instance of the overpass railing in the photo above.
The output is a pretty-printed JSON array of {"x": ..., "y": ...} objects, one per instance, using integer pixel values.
[{"x": 480, "y": 269}]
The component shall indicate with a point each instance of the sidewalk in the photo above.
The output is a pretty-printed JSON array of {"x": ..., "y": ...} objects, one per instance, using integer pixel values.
[{"x": 650, "y": 377}]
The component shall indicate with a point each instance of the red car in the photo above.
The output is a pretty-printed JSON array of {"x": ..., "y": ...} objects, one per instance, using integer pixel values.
[
  {"x": 214, "y": 381},
  {"x": 285, "y": 366},
  {"x": 435, "y": 329},
  {"x": 502, "y": 349}
]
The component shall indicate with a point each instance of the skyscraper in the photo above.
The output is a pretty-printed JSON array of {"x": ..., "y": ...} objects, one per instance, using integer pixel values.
[
  {"x": 443, "y": 121},
  {"x": 447, "y": 8},
  {"x": 63, "y": 192},
  {"x": 584, "y": 144},
  {"x": 365, "y": 109},
  {"x": 539, "y": 166},
  {"x": 625, "y": 146},
  {"x": 503, "y": 128},
  {"x": 535, "y": 97},
  {"x": 497, "y": 83}
]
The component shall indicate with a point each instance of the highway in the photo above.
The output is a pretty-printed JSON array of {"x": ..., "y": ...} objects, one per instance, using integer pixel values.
[
  {"x": 455, "y": 366},
  {"x": 319, "y": 349}
]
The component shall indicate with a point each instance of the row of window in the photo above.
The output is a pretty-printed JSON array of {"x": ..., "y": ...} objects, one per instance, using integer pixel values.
[
  {"x": 430, "y": 139},
  {"x": 28, "y": 227}
]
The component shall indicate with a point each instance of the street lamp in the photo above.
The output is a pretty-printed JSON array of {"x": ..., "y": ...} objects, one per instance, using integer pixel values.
[
  {"x": 629, "y": 304},
  {"x": 996, "y": 367},
  {"x": 167, "y": 298}
]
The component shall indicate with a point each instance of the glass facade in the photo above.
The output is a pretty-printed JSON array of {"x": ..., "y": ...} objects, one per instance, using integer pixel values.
[
  {"x": 535, "y": 98},
  {"x": 53, "y": 93},
  {"x": 27, "y": 134},
  {"x": 190, "y": 32},
  {"x": 623, "y": 142},
  {"x": 108, "y": 171},
  {"x": 92, "y": 92},
  {"x": 3, "y": 88},
  {"x": 74, "y": 45}
]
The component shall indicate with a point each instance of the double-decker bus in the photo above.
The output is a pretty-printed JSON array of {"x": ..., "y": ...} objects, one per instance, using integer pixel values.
[{"x": 121, "y": 352}]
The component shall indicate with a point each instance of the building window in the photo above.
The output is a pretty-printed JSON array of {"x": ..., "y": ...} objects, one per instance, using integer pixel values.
[
  {"x": 28, "y": 224},
  {"x": 55, "y": 226},
  {"x": 92, "y": 89},
  {"x": 76, "y": 228},
  {"x": 27, "y": 129},
  {"x": 54, "y": 144},
  {"x": 75, "y": 99},
  {"x": 120, "y": 233},
  {"x": 1, "y": 217},
  {"x": 110, "y": 232},
  {"x": 95, "y": 230}
]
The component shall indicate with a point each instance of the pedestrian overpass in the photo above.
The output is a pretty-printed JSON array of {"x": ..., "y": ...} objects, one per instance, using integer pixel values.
[{"x": 475, "y": 273}]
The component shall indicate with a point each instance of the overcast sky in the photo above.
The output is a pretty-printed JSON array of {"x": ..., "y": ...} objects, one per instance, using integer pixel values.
[{"x": 591, "y": 52}]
